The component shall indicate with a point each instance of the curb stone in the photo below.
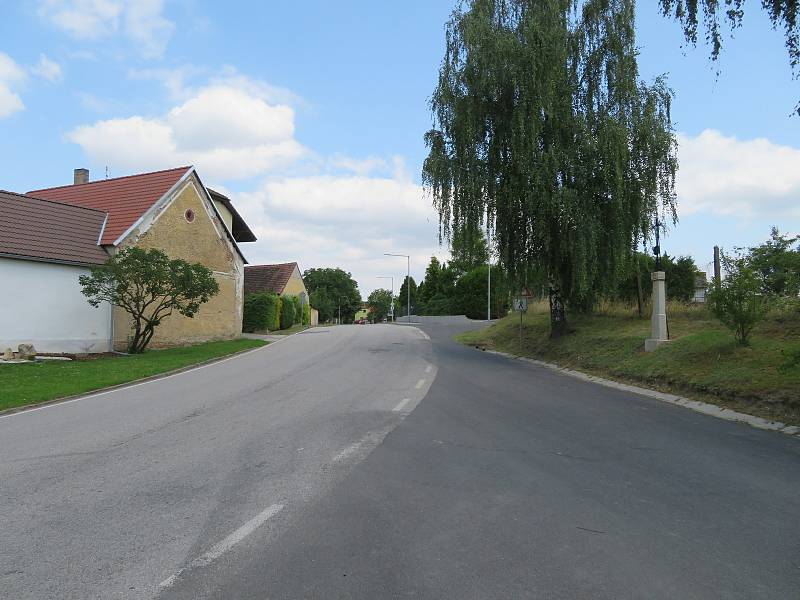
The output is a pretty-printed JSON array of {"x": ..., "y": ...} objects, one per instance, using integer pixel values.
[{"x": 702, "y": 407}]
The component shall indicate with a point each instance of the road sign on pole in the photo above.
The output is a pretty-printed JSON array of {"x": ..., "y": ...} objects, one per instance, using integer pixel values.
[{"x": 520, "y": 304}]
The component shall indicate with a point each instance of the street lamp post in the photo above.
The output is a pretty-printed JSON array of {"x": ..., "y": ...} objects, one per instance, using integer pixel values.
[
  {"x": 391, "y": 301},
  {"x": 489, "y": 263},
  {"x": 408, "y": 282}
]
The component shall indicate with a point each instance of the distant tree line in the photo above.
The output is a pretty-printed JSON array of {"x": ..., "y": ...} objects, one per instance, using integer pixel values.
[{"x": 332, "y": 289}]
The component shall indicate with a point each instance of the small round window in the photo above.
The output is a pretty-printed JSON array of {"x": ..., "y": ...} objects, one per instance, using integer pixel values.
[{"x": 189, "y": 215}]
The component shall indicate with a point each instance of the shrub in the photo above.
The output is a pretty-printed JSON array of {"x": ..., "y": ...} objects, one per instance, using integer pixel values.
[
  {"x": 298, "y": 309},
  {"x": 276, "y": 323},
  {"x": 471, "y": 292},
  {"x": 737, "y": 300},
  {"x": 287, "y": 313},
  {"x": 260, "y": 312},
  {"x": 439, "y": 304},
  {"x": 306, "y": 314}
]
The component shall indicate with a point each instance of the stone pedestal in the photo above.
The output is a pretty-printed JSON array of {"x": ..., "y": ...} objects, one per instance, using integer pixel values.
[{"x": 658, "y": 321}]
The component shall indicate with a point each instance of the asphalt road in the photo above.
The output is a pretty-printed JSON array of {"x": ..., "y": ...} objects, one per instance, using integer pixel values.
[{"x": 324, "y": 467}]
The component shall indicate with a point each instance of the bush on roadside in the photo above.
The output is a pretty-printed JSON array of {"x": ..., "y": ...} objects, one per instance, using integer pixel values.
[
  {"x": 287, "y": 313},
  {"x": 737, "y": 300},
  {"x": 260, "y": 312},
  {"x": 471, "y": 293},
  {"x": 298, "y": 309},
  {"x": 306, "y": 314}
]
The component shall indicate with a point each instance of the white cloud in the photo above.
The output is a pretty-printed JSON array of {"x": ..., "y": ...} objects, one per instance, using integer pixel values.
[
  {"x": 147, "y": 27},
  {"x": 11, "y": 75},
  {"x": 745, "y": 179},
  {"x": 346, "y": 221},
  {"x": 363, "y": 166},
  {"x": 141, "y": 21},
  {"x": 227, "y": 132},
  {"x": 47, "y": 69}
]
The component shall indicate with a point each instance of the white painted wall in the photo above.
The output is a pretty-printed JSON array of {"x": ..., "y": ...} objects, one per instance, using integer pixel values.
[{"x": 41, "y": 304}]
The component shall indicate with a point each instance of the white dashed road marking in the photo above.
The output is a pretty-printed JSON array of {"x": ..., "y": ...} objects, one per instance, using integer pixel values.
[
  {"x": 420, "y": 383},
  {"x": 428, "y": 368},
  {"x": 229, "y": 542},
  {"x": 401, "y": 405}
]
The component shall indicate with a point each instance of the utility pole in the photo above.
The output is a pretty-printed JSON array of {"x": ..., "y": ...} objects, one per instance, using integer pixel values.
[
  {"x": 408, "y": 282},
  {"x": 717, "y": 270}
]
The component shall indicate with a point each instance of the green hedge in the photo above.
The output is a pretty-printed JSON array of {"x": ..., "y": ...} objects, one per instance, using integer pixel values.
[
  {"x": 261, "y": 312},
  {"x": 306, "y": 314},
  {"x": 287, "y": 313},
  {"x": 298, "y": 309}
]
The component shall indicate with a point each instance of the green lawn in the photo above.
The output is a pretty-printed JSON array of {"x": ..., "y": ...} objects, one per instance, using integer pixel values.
[
  {"x": 22, "y": 384},
  {"x": 703, "y": 360}
]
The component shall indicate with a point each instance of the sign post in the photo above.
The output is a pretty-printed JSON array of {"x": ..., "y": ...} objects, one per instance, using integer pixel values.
[{"x": 521, "y": 306}]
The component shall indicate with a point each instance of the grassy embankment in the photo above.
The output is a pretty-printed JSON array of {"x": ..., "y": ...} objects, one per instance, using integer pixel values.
[
  {"x": 22, "y": 384},
  {"x": 703, "y": 361}
]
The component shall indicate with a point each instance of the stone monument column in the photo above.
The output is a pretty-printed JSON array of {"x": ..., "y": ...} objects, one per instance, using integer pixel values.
[{"x": 658, "y": 321}]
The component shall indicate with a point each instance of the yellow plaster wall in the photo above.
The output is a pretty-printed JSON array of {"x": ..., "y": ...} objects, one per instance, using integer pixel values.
[
  {"x": 226, "y": 214},
  {"x": 198, "y": 241},
  {"x": 295, "y": 285}
]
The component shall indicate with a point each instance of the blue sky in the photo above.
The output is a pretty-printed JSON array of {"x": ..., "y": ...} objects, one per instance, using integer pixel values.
[{"x": 324, "y": 152}]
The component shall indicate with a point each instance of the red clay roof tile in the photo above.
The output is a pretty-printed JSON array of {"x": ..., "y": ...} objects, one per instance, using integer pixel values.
[
  {"x": 267, "y": 278},
  {"x": 125, "y": 199}
]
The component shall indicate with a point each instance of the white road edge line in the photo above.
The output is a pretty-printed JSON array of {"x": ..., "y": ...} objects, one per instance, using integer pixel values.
[
  {"x": 348, "y": 451},
  {"x": 428, "y": 368},
  {"x": 134, "y": 385},
  {"x": 420, "y": 383},
  {"x": 401, "y": 405},
  {"x": 229, "y": 542}
]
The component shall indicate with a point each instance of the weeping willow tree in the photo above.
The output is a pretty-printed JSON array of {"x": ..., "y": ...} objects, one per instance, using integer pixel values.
[{"x": 543, "y": 128}]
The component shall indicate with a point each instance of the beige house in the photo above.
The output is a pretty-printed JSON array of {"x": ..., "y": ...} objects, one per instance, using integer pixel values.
[
  {"x": 174, "y": 212},
  {"x": 283, "y": 279}
]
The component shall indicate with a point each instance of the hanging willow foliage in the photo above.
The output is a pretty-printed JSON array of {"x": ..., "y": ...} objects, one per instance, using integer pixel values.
[
  {"x": 542, "y": 126},
  {"x": 783, "y": 14}
]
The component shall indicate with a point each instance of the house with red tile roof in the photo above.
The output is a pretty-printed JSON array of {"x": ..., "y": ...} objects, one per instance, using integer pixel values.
[
  {"x": 170, "y": 210},
  {"x": 283, "y": 279}
]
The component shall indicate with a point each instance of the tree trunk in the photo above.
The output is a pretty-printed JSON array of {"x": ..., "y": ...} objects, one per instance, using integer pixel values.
[
  {"x": 133, "y": 345},
  {"x": 558, "y": 318}
]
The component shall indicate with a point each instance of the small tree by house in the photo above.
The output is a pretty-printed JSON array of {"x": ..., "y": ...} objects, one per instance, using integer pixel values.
[
  {"x": 149, "y": 286},
  {"x": 737, "y": 300}
]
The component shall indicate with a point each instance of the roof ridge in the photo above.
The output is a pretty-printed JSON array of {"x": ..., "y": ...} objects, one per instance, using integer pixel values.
[
  {"x": 58, "y": 187},
  {"x": 271, "y": 265},
  {"x": 29, "y": 197}
]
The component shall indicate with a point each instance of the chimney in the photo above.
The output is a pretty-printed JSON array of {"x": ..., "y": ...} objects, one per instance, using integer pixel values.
[{"x": 81, "y": 176}]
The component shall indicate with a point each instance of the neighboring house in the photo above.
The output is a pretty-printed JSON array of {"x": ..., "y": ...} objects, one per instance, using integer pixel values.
[
  {"x": 174, "y": 212},
  {"x": 283, "y": 279},
  {"x": 44, "y": 247}
]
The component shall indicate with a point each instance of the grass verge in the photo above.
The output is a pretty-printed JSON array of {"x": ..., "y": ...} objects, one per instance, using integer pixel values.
[
  {"x": 702, "y": 361},
  {"x": 296, "y": 328},
  {"x": 22, "y": 384}
]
